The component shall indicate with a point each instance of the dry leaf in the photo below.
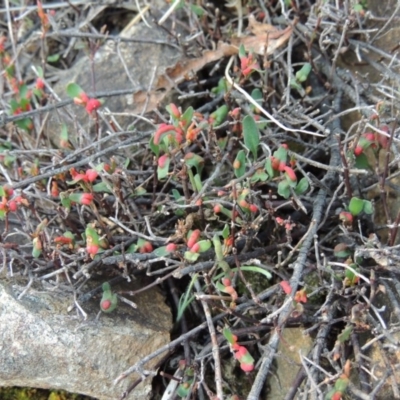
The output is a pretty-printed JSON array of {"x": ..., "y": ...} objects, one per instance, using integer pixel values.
[
  {"x": 266, "y": 41},
  {"x": 258, "y": 28}
]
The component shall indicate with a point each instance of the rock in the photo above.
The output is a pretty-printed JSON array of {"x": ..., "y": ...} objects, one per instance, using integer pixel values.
[
  {"x": 44, "y": 346},
  {"x": 117, "y": 66},
  {"x": 288, "y": 361}
]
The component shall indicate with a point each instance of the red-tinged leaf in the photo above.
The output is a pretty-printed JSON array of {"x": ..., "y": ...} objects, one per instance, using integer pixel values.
[
  {"x": 193, "y": 237},
  {"x": 246, "y": 367},
  {"x": 163, "y": 166},
  {"x": 336, "y": 396},
  {"x": 301, "y": 296},
  {"x": 341, "y": 384},
  {"x": 246, "y": 358},
  {"x": 92, "y": 105},
  {"x": 173, "y": 111},
  {"x": 285, "y": 285},
  {"x": 74, "y": 90}
]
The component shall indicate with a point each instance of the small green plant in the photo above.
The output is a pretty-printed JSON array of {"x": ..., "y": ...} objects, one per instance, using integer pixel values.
[
  {"x": 241, "y": 353},
  {"x": 301, "y": 76},
  {"x": 248, "y": 62},
  {"x": 357, "y": 206},
  {"x": 341, "y": 384},
  {"x": 81, "y": 98},
  {"x": 109, "y": 300}
]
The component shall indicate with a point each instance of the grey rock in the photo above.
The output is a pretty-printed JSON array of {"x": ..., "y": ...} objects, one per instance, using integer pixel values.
[{"x": 44, "y": 346}]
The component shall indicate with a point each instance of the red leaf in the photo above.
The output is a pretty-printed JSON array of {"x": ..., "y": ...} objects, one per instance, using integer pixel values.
[{"x": 285, "y": 285}]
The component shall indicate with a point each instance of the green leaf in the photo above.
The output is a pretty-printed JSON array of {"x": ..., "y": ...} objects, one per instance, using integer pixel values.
[
  {"x": 220, "y": 286},
  {"x": 53, "y": 58},
  {"x": 109, "y": 298},
  {"x": 368, "y": 207},
  {"x": 356, "y": 206},
  {"x": 8, "y": 160},
  {"x": 240, "y": 160},
  {"x": 176, "y": 194},
  {"x": 218, "y": 247},
  {"x": 38, "y": 93},
  {"x": 294, "y": 84},
  {"x": 361, "y": 162},
  {"x": 257, "y": 95},
  {"x": 141, "y": 242},
  {"x": 302, "y": 186},
  {"x": 259, "y": 175},
  {"x": 225, "y": 267},
  {"x": 69, "y": 235},
  {"x": 219, "y": 116},
  {"x": 251, "y": 135},
  {"x": 155, "y": 148},
  {"x": 246, "y": 359},
  {"x": 199, "y": 11},
  {"x": 341, "y": 250},
  {"x": 180, "y": 200},
  {"x": 259, "y": 270},
  {"x": 197, "y": 182},
  {"x": 228, "y": 213},
  {"x": 204, "y": 245},
  {"x": 358, "y": 8},
  {"x": 291, "y": 183},
  {"x": 183, "y": 391},
  {"x": 65, "y": 200},
  {"x": 242, "y": 51},
  {"x": 190, "y": 256},
  {"x": 25, "y": 124},
  {"x": 350, "y": 275},
  {"x": 5, "y": 146},
  {"x": 40, "y": 72},
  {"x": 162, "y": 172},
  {"x": 37, "y": 247},
  {"x": 133, "y": 248},
  {"x": 194, "y": 160},
  {"x": 303, "y": 73},
  {"x": 341, "y": 385},
  {"x": 23, "y": 91},
  {"x": 186, "y": 299},
  {"x": 221, "y": 88},
  {"x": 226, "y": 231},
  {"x": 161, "y": 251},
  {"x": 329, "y": 394},
  {"x": 102, "y": 187},
  {"x": 187, "y": 118},
  {"x": 222, "y": 142},
  {"x": 92, "y": 233},
  {"x": 228, "y": 335},
  {"x": 36, "y": 253},
  {"x": 74, "y": 90},
  {"x": 281, "y": 154},
  {"x": 268, "y": 167},
  {"x": 345, "y": 335},
  {"x": 284, "y": 189},
  {"x": 14, "y": 105}
]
